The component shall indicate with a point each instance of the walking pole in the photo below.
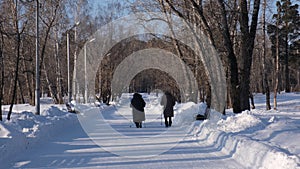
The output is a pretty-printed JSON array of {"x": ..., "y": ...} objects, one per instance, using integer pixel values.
[{"x": 161, "y": 119}]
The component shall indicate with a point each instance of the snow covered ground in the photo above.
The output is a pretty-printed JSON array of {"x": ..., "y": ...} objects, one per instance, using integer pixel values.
[{"x": 252, "y": 139}]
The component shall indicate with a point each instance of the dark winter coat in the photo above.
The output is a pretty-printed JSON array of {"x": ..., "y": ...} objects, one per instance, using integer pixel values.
[
  {"x": 168, "y": 101},
  {"x": 137, "y": 105}
]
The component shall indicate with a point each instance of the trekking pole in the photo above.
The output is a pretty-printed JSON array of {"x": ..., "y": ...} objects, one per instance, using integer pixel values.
[{"x": 161, "y": 119}]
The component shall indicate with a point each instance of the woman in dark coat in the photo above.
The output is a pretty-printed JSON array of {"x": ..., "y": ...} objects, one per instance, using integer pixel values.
[
  {"x": 168, "y": 101},
  {"x": 138, "y": 113}
]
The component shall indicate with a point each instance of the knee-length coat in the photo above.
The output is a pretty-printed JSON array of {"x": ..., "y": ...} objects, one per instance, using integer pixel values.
[
  {"x": 168, "y": 101},
  {"x": 137, "y": 104}
]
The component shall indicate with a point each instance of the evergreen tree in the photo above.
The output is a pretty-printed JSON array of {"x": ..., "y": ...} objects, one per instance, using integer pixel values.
[
  {"x": 294, "y": 61},
  {"x": 288, "y": 32}
]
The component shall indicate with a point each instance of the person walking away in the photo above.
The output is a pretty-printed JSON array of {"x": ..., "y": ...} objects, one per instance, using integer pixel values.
[
  {"x": 138, "y": 114},
  {"x": 168, "y": 101}
]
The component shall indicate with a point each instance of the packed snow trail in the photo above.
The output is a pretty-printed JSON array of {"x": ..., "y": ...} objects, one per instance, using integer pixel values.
[{"x": 73, "y": 148}]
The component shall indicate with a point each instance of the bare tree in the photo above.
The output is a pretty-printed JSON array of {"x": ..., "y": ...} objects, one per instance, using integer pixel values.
[
  {"x": 58, "y": 69},
  {"x": 2, "y": 68},
  {"x": 277, "y": 67},
  {"x": 231, "y": 60},
  {"x": 18, "y": 30},
  {"x": 265, "y": 76},
  {"x": 48, "y": 19},
  {"x": 248, "y": 34}
]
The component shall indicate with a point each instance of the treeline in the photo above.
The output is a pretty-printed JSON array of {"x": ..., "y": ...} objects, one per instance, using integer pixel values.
[
  {"x": 259, "y": 48},
  {"x": 57, "y": 18}
]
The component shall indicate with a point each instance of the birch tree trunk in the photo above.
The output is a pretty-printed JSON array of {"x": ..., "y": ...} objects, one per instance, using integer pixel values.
[
  {"x": 58, "y": 71},
  {"x": 49, "y": 84},
  {"x": 286, "y": 62},
  {"x": 265, "y": 76},
  {"x": 2, "y": 70},
  {"x": 277, "y": 66},
  {"x": 28, "y": 82}
]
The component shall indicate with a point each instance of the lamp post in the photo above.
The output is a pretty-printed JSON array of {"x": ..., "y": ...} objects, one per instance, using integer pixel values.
[
  {"x": 85, "y": 73},
  {"x": 68, "y": 60},
  {"x": 68, "y": 65},
  {"x": 37, "y": 62},
  {"x": 37, "y": 58}
]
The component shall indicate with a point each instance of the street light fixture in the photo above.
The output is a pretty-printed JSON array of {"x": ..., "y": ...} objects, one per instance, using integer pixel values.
[
  {"x": 68, "y": 60},
  {"x": 85, "y": 72}
]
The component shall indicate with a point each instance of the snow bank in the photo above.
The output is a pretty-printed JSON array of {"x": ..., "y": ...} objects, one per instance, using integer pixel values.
[
  {"x": 185, "y": 113},
  {"x": 230, "y": 134},
  {"x": 240, "y": 122},
  {"x": 254, "y": 154},
  {"x": 26, "y": 129},
  {"x": 4, "y": 132},
  {"x": 242, "y": 136},
  {"x": 12, "y": 141}
]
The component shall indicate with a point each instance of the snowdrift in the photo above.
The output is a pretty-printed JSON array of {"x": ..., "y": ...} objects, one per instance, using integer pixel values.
[
  {"x": 26, "y": 129},
  {"x": 232, "y": 133}
]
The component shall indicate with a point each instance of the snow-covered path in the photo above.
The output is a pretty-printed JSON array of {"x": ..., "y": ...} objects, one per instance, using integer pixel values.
[
  {"x": 72, "y": 148},
  {"x": 75, "y": 150}
]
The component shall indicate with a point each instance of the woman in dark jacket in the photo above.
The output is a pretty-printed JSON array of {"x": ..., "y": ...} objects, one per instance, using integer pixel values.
[
  {"x": 168, "y": 101},
  {"x": 138, "y": 113}
]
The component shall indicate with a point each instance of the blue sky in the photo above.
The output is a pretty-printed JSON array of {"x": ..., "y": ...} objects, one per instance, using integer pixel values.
[{"x": 96, "y": 3}]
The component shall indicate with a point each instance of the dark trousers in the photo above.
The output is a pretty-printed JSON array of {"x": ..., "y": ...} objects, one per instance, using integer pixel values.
[
  {"x": 138, "y": 124},
  {"x": 168, "y": 123}
]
